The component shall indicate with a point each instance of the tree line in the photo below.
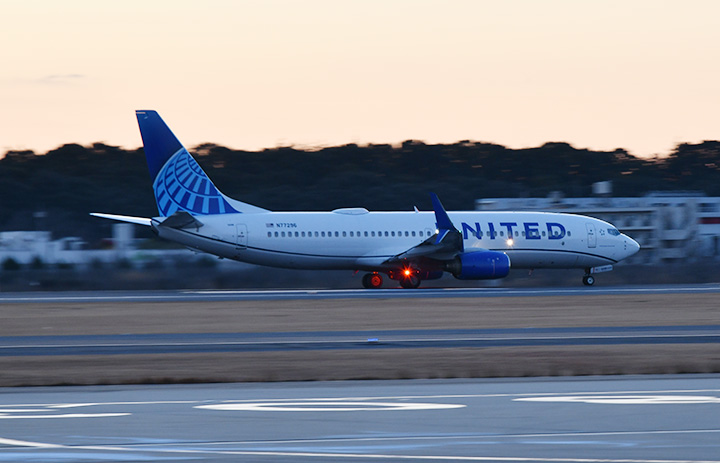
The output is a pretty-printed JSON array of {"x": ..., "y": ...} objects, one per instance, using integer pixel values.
[{"x": 56, "y": 190}]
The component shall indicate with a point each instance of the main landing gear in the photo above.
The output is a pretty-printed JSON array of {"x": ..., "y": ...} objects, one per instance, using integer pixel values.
[
  {"x": 588, "y": 280},
  {"x": 411, "y": 281},
  {"x": 372, "y": 280},
  {"x": 407, "y": 279}
]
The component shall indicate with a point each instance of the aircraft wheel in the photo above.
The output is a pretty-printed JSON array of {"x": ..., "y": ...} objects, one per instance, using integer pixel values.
[
  {"x": 588, "y": 280},
  {"x": 372, "y": 280},
  {"x": 410, "y": 282}
]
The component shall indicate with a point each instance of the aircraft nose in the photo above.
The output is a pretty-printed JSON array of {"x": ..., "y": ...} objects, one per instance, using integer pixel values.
[{"x": 632, "y": 246}]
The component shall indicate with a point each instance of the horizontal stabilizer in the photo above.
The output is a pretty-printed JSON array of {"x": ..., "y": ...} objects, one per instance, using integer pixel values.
[
  {"x": 181, "y": 219},
  {"x": 124, "y": 218}
]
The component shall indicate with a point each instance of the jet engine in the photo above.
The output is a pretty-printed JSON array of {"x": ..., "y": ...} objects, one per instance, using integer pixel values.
[{"x": 479, "y": 265}]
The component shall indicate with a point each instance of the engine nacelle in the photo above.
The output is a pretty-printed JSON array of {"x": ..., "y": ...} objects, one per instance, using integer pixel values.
[{"x": 480, "y": 265}]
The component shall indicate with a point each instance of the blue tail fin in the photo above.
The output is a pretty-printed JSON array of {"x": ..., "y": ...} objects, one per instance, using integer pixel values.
[{"x": 179, "y": 182}]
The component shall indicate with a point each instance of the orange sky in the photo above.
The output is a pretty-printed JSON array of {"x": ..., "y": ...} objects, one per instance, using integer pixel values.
[{"x": 639, "y": 74}]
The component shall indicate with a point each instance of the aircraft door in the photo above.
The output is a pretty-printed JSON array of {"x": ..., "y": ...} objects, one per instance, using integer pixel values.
[
  {"x": 241, "y": 241},
  {"x": 591, "y": 236}
]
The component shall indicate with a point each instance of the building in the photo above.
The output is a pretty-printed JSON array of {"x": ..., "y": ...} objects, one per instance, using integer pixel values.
[{"x": 669, "y": 226}]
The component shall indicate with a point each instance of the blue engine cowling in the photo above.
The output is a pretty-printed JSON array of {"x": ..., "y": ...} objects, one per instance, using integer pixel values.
[{"x": 480, "y": 265}]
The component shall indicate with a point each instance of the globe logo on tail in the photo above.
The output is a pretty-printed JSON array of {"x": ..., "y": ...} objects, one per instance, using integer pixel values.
[{"x": 181, "y": 185}]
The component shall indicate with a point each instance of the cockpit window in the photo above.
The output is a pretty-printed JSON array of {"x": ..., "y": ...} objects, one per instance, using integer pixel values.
[{"x": 614, "y": 231}]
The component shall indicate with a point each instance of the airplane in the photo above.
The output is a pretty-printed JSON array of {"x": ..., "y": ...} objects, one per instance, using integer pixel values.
[{"x": 408, "y": 247}]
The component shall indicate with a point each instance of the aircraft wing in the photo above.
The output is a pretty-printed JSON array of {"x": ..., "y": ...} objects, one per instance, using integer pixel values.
[{"x": 443, "y": 245}]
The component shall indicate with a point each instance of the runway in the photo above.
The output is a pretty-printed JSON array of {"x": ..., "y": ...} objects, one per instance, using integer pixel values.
[
  {"x": 658, "y": 419},
  {"x": 350, "y": 340},
  {"x": 395, "y": 293}
]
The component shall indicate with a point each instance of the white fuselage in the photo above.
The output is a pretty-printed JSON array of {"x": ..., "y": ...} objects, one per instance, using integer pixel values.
[{"x": 359, "y": 240}]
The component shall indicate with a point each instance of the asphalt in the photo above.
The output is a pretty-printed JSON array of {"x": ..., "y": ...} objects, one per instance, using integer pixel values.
[
  {"x": 658, "y": 419},
  {"x": 303, "y": 294},
  {"x": 196, "y": 343}
]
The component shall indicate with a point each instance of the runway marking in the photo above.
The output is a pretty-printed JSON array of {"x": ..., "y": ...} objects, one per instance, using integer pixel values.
[
  {"x": 361, "y": 293},
  {"x": 94, "y": 404},
  {"x": 22, "y": 443},
  {"x": 627, "y": 399},
  {"x": 148, "y": 448},
  {"x": 478, "y": 396},
  {"x": 327, "y": 406},
  {"x": 369, "y": 456},
  {"x": 442, "y": 438},
  {"x": 29, "y": 412},
  {"x": 355, "y": 456},
  {"x": 4, "y": 416}
]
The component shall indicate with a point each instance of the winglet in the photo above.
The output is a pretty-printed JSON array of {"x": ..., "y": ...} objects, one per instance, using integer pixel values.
[{"x": 441, "y": 217}]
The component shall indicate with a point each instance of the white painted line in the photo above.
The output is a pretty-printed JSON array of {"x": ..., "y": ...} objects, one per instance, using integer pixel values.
[
  {"x": 22, "y": 443},
  {"x": 388, "y": 457},
  {"x": 67, "y": 415},
  {"x": 328, "y": 406},
  {"x": 626, "y": 399},
  {"x": 475, "y": 396},
  {"x": 462, "y": 437}
]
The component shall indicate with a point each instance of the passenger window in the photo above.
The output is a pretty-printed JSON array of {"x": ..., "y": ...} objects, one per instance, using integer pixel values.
[
  {"x": 337, "y": 234},
  {"x": 322, "y": 234},
  {"x": 297, "y": 234},
  {"x": 413, "y": 233},
  {"x": 282, "y": 234},
  {"x": 269, "y": 234},
  {"x": 344, "y": 234}
]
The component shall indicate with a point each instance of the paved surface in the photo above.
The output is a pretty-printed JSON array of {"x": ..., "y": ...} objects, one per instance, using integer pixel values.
[
  {"x": 661, "y": 419},
  {"x": 13, "y": 346},
  {"x": 395, "y": 293}
]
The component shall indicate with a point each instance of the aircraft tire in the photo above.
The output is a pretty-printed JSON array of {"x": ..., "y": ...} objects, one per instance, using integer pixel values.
[
  {"x": 588, "y": 280},
  {"x": 372, "y": 280},
  {"x": 410, "y": 282}
]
